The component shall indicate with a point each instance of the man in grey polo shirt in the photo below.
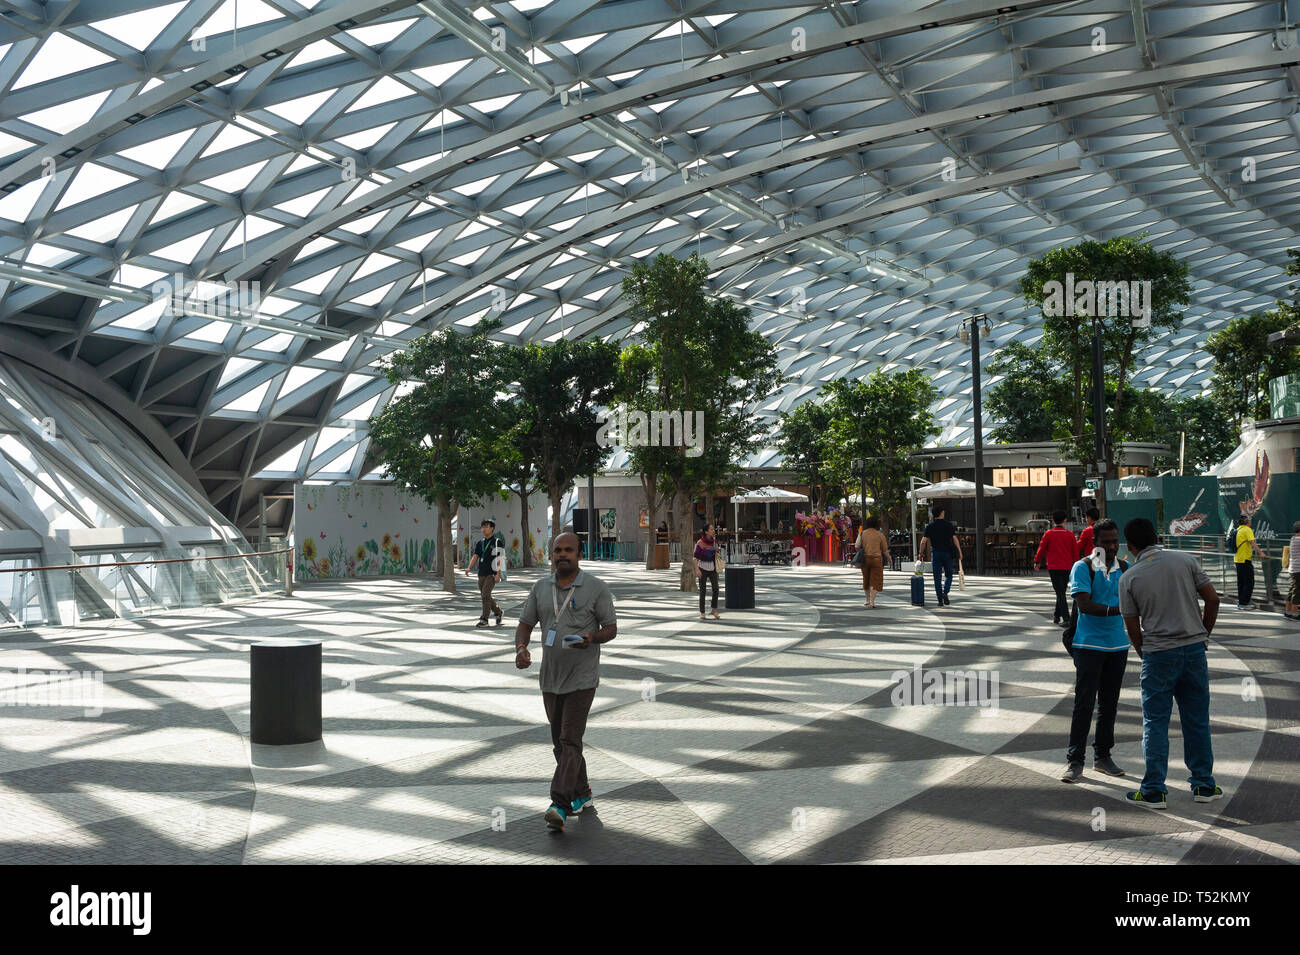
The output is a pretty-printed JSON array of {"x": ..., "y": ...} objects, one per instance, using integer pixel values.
[
  {"x": 576, "y": 611},
  {"x": 1169, "y": 631}
]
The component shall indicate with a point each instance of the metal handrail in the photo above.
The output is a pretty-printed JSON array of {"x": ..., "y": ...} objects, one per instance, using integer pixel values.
[{"x": 137, "y": 563}]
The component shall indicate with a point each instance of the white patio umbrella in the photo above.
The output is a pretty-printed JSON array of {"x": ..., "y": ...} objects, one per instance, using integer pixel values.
[
  {"x": 764, "y": 495},
  {"x": 953, "y": 487}
]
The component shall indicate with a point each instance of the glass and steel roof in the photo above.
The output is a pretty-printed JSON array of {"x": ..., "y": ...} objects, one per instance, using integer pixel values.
[{"x": 862, "y": 175}]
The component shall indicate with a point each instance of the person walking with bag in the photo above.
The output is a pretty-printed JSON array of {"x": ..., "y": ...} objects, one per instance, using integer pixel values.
[
  {"x": 706, "y": 567},
  {"x": 1059, "y": 547},
  {"x": 489, "y": 557},
  {"x": 939, "y": 543},
  {"x": 1099, "y": 647},
  {"x": 873, "y": 549}
]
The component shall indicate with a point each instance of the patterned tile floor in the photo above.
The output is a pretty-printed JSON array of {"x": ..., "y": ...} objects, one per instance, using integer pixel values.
[{"x": 771, "y": 735}]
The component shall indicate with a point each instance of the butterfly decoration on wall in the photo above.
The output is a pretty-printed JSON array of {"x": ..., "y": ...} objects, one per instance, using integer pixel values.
[
  {"x": 322, "y": 535},
  {"x": 402, "y": 508},
  {"x": 311, "y": 507},
  {"x": 349, "y": 517},
  {"x": 365, "y": 524}
]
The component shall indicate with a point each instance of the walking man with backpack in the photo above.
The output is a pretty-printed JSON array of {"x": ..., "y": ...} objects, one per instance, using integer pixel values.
[
  {"x": 488, "y": 555},
  {"x": 1099, "y": 647}
]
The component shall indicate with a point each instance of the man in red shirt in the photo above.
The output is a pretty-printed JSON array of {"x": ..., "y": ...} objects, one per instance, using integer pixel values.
[
  {"x": 1086, "y": 546},
  {"x": 1060, "y": 549}
]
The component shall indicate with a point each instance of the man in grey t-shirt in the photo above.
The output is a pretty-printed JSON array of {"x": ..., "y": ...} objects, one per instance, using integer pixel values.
[
  {"x": 1169, "y": 630},
  {"x": 576, "y": 611}
]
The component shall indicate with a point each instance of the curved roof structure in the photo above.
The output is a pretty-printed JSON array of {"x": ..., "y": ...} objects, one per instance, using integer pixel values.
[{"x": 862, "y": 175}]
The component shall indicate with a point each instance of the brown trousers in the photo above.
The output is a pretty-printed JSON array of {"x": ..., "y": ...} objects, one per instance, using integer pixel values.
[
  {"x": 485, "y": 584},
  {"x": 567, "y": 714}
]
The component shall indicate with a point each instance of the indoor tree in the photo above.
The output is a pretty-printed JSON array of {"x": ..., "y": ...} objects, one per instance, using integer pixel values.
[{"x": 441, "y": 439}]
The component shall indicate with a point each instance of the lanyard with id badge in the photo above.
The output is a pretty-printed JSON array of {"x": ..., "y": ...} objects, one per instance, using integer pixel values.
[{"x": 558, "y": 611}]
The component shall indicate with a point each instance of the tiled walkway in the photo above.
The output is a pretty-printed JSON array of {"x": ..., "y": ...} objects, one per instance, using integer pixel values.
[{"x": 768, "y": 736}]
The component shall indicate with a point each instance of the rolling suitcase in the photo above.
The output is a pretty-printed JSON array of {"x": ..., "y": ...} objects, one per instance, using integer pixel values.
[{"x": 918, "y": 590}]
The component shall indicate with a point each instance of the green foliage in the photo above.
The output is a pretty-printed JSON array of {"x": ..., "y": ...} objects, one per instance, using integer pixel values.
[
  {"x": 1066, "y": 344},
  {"x": 441, "y": 439},
  {"x": 1031, "y": 402},
  {"x": 699, "y": 355},
  {"x": 1244, "y": 361},
  {"x": 880, "y": 419},
  {"x": 557, "y": 388}
]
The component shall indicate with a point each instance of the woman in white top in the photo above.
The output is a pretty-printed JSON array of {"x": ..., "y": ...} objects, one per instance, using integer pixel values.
[{"x": 1293, "y": 597}]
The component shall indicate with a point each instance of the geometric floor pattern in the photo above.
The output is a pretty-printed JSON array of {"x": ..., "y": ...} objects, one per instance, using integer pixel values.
[{"x": 769, "y": 736}]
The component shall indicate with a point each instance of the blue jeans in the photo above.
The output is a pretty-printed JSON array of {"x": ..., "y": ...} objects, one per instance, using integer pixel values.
[
  {"x": 1167, "y": 675},
  {"x": 942, "y": 562}
]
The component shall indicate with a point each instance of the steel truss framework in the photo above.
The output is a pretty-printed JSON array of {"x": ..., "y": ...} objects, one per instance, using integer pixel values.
[{"x": 862, "y": 175}]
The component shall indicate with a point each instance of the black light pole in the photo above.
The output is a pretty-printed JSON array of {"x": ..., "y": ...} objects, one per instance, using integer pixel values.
[
  {"x": 1099, "y": 412},
  {"x": 981, "y": 329}
]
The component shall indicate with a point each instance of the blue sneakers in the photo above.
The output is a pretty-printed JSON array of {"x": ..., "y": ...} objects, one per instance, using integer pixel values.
[
  {"x": 555, "y": 817},
  {"x": 581, "y": 803}
]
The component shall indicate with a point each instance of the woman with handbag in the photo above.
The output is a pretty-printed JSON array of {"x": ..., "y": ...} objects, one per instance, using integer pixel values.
[
  {"x": 874, "y": 549},
  {"x": 706, "y": 567}
]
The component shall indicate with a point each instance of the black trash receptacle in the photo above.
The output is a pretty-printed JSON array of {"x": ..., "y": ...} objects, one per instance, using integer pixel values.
[
  {"x": 740, "y": 587},
  {"x": 285, "y": 691}
]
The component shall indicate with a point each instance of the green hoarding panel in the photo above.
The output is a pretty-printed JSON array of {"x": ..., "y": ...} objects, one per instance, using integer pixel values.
[{"x": 1192, "y": 507}]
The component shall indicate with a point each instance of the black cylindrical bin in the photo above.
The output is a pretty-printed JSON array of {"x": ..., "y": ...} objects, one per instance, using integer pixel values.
[
  {"x": 285, "y": 691},
  {"x": 740, "y": 587}
]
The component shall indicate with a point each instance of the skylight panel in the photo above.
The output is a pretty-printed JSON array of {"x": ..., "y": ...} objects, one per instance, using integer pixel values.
[
  {"x": 236, "y": 180},
  {"x": 43, "y": 254},
  {"x": 378, "y": 34},
  {"x": 475, "y": 187},
  {"x": 249, "y": 401},
  {"x": 106, "y": 228},
  {"x": 494, "y": 104},
  {"x": 158, "y": 153},
  {"x": 90, "y": 181},
  {"x": 578, "y": 44},
  {"x": 296, "y": 378},
  {"x": 303, "y": 205},
  {"x": 60, "y": 55},
  {"x": 520, "y": 208},
  {"x": 66, "y": 117},
  {"x": 374, "y": 262},
  {"x": 230, "y": 137},
  {"x": 584, "y": 157},
  {"x": 17, "y": 205},
  {"x": 176, "y": 203},
  {"x": 373, "y": 297},
  {"x": 301, "y": 109},
  {"x": 12, "y": 144},
  {"x": 382, "y": 91},
  {"x": 542, "y": 167},
  {"x": 291, "y": 460},
  {"x": 141, "y": 28},
  {"x": 314, "y": 52},
  {"x": 249, "y": 12},
  {"x": 253, "y": 227},
  {"x": 234, "y": 368},
  {"x": 185, "y": 250},
  {"x": 440, "y": 72},
  {"x": 365, "y": 139},
  {"x": 316, "y": 284},
  {"x": 142, "y": 319}
]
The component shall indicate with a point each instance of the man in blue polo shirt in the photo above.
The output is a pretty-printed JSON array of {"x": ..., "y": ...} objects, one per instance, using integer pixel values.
[{"x": 1100, "y": 654}]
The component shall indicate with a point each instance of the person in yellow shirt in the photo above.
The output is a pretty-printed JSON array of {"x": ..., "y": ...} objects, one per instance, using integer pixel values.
[{"x": 1245, "y": 545}]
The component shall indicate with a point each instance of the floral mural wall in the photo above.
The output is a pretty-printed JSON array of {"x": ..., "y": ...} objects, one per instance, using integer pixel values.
[
  {"x": 361, "y": 530},
  {"x": 506, "y": 513}
]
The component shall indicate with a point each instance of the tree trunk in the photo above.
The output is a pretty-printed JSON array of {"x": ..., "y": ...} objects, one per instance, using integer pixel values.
[
  {"x": 685, "y": 537},
  {"x": 447, "y": 557},
  {"x": 525, "y": 524},
  {"x": 557, "y": 523}
]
